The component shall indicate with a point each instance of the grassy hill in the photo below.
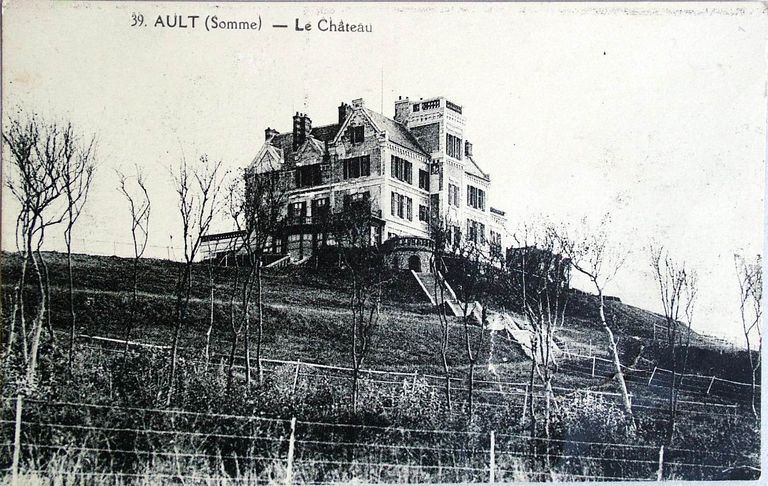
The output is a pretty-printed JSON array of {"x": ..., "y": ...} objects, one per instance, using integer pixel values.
[
  {"x": 307, "y": 319},
  {"x": 306, "y": 313}
]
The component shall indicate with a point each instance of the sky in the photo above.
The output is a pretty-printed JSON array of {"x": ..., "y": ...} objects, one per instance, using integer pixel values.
[{"x": 655, "y": 113}]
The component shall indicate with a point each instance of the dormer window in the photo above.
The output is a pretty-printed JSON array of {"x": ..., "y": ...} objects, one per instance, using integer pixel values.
[{"x": 357, "y": 134}]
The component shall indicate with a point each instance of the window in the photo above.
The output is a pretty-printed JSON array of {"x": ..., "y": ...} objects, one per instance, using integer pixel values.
[
  {"x": 357, "y": 134},
  {"x": 454, "y": 235},
  {"x": 475, "y": 231},
  {"x": 357, "y": 167},
  {"x": 297, "y": 212},
  {"x": 453, "y": 195},
  {"x": 401, "y": 169},
  {"x": 453, "y": 146},
  {"x": 320, "y": 210},
  {"x": 495, "y": 238},
  {"x": 416, "y": 107},
  {"x": 358, "y": 198},
  {"x": 423, "y": 213},
  {"x": 476, "y": 198},
  {"x": 308, "y": 175},
  {"x": 402, "y": 206},
  {"x": 423, "y": 180}
]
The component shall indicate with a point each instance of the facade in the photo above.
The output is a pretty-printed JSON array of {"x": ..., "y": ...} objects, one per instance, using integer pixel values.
[{"x": 410, "y": 169}]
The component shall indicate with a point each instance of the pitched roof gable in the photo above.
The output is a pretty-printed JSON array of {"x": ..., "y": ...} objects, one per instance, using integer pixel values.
[
  {"x": 474, "y": 169},
  {"x": 397, "y": 132}
]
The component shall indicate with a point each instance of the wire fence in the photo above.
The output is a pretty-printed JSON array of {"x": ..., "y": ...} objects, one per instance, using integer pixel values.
[
  {"x": 488, "y": 394},
  {"x": 98, "y": 441}
]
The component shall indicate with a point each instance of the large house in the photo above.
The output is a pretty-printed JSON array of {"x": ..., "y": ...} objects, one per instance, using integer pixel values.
[{"x": 410, "y": 169}]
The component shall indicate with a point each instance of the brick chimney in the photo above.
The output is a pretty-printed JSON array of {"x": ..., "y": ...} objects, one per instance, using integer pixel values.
[
  {"x": 269, "y": 134},
  {"x": 302, "y": 126},
  {"x": 343, "y": 112},
  {"x": 468, "y": 148},
  {"x": 358, "y": 103},
  {"x": 402, "y": 110}
]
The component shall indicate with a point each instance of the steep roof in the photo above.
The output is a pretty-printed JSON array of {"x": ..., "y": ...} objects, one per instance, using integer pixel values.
[
  {"x": 284, "y": 141},
  {"x": 474, "y": 169},
  {"x": 397, "y": 132}
]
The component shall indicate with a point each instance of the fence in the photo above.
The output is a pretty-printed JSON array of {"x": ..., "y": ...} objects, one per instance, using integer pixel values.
[
  {"x": 489, "y": 395},
  {"x": 694, "y": 385},
  {"x": 98, "y": 442}
]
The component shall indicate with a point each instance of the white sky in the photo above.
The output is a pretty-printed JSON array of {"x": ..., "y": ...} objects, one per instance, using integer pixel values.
[{"x": 654, "y": 114}]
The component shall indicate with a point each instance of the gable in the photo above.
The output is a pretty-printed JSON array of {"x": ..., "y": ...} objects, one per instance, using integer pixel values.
[
  {"x": 269, "y": 158},
  {"x": 311, "y": 152},
  {"x": 356, "y": 118},
  {"x": 473, "y": 169}
]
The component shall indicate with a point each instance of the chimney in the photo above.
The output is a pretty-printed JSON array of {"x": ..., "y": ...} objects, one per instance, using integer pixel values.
[
  {"x": 296, "y": 130},
  {"x": 357, "y": 104},
  {"x": 467, "y": 148},
  {"x": 343, "y": 112},
  {"x": 269, "y": 134},
  {"x": 302, "y": 126},
  {"x": 402, "y": 110}
]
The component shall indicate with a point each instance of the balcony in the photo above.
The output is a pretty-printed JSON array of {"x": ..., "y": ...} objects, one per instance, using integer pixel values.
[{"x": 410, "y": 243}]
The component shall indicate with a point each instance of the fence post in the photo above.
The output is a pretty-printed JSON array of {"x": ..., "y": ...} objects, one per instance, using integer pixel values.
[
  {"x": 593, "y": 366},
  {"x": 413, "y": 387},
  {"x": 660, "y": 471},
  {"x": 710, "y": 384},
  {"x": 291, "y": 446},
  {"x": 492, "y": 476},
  {"x": 651, "y": 378},
  {"x": 296, "y": 376},
  {"x": 16, "y": 442}
]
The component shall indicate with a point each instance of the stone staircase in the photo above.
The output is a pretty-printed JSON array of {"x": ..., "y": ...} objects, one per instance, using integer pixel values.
[
  {"x": 426, "y": 281},
  {"x": 515, "y": 327}
]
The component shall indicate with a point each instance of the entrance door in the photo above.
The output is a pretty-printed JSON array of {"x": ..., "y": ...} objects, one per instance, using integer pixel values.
[{"x": 414, "y": 263}]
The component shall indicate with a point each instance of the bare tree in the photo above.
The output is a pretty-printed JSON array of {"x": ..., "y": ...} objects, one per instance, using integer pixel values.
[
  {"x": 77, "y": 176},
  {"x": 441, "y": 244},
  {"x": 140, "y": 205},
  {"x": 591, "y": 254},
  {"x": 39, "y": 152},
  {"x": 234, "y": 210},
  {"x": 750, "y": 275},
  {"x": 538, "y": 274},
  {"x": 677, "y": 289},
  {"x": 365, "y": 262},
  {"x": 473, "y": 282},
  {"x": 260, "y": 198},
  {"x": 198, "y": 188}
]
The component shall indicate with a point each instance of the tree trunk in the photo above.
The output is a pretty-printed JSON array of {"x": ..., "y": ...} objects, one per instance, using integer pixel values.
[
  {"x": 22, "y": 286},
  {"x": 232, "y": 351},
  {"x": 471, "y": 388},
  {"x": 531, "y": 404},
  {"x": 247, "y": 344},
  {"x": 134, "y": 303},
  {"x": 439, "y": 289},
  {"x": 185, "y": 289},
  {"x": 260, "y": 334},
  {"x": 12, "y": 325},
  {"x": 72, "y": 317},
  {"x": 354, "y": 361},
  {"x": 47, "y": 290},
  {"x": 233, "y": 327},
  {"x": 37, "y": 326},
  {"x": 210, "y": 316},
  {"x": 619, "y": 374}
]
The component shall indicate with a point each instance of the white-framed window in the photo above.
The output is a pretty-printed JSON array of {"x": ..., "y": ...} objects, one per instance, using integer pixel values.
[
  {"x": 402, "y": 169},
  {"x": 453, "y": 195},
  {"x": 475, "y": 197},
  {"x": 402, "y": 206}
]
